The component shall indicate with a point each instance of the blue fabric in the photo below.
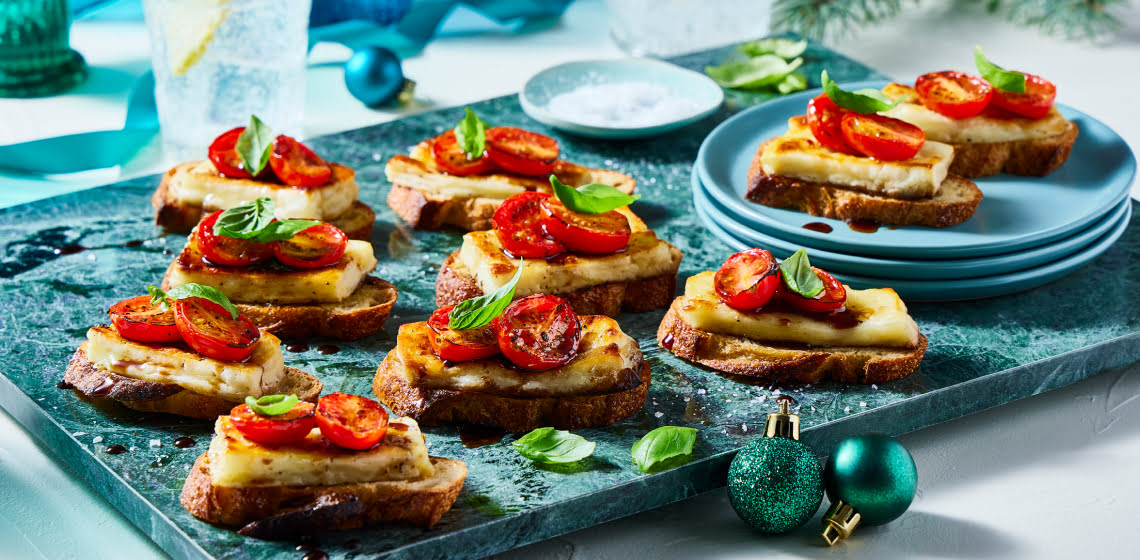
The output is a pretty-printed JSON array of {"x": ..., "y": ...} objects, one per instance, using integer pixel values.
[{"x": 425, "y": 20}]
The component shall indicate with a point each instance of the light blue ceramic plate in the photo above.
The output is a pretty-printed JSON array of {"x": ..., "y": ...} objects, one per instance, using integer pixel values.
[
  {"x": 904, "y": 269},
  {"x": 963, "y": 289},
  {"x": 703, "y": 93},
  {"x": 1016, "y": 213}
]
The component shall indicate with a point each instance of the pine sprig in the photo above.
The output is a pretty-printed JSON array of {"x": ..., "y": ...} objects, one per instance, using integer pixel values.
[
  {"x": 1092, "y": 20},
  {"x": 819, "y": 19}
]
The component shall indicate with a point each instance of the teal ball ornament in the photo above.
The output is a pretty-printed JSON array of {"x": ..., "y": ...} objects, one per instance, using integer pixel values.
[
  {"x": 373, "y": 75},
  {"x": 775, "y": 484},
  {"x": 874, "y": 474}
]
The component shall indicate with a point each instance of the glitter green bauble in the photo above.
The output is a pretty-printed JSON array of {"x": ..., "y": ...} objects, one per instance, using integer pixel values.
[
  {"x": 775, "y": 484},
  {"x": 873, "y": 473}
]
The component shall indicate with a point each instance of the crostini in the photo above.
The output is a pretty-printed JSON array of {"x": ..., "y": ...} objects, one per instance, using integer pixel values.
[
  {"x": 187, "y": 352},
  {"x": 251, "y": 162},
  {"x": 278, "y": 468},
  {"x": 846, "y": 161},
  {"x": 999, "y": 122},
  {"x": 583, "y": 245},
  {"x": 293, "y": 278},
  {"x": 517, "y": 366},
  {"x": 791, "y": 321},
  {"x": 460, "y": 177}
]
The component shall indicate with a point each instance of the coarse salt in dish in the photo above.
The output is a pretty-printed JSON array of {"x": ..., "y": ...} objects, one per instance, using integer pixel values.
[{"x": 624, "y": 105}]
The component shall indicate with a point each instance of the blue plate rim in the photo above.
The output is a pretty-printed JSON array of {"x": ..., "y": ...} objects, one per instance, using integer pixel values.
[
  {"x": 769, "y": 223},
  {"x": 900, "y": 268},
  {"x": 969, "y": 288},
  {"x": 540, "y": 114}
]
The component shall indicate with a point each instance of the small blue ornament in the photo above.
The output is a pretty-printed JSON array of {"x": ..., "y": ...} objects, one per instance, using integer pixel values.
[{"x": 374, "y": 76}]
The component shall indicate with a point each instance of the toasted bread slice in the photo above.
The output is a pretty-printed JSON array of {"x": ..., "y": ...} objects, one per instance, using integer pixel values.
[
  {"x": 956, "y": 201},
  {"x": 417, "y": 198},
  {"x": 1036, "y": 157},
  {"x": 176, "y": 215},
  {"x": 455, "y": 284},
  {"x": 361, "y": 314},
  {"x": 605, "y": 382},
  {"x": 149, "y": 396},
  {"x": 743, "y": 356},
  {"x": 991, "y": 143},
  {"x": 284, "y": 512}
]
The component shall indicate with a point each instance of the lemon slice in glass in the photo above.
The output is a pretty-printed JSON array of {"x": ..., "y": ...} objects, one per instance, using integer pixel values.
[{"x": 190, "y": 25}]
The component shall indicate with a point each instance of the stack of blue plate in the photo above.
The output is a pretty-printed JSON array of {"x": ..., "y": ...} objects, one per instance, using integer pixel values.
[{"x": 1026, "y": 232}]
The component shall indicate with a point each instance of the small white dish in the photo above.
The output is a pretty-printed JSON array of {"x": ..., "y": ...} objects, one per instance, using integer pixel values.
[{"x": 699, "y": 95}]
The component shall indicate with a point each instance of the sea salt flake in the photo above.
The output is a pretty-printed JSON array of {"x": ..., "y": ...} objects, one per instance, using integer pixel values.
[
  {"x": 862, "y": 404},
  {"x": 846, "y": 409},
  {"x": 700, "y": 391},
  {"x": 658, "y": 414},
  {"x": 155, "y": 443},
  {"x": 627, "y": 104},
  {"x": 874, "y": 387},
  {"x": 97, "y": 439},
  {"x": 744, "y": 427},
  {"x": 77, "y": 434}
]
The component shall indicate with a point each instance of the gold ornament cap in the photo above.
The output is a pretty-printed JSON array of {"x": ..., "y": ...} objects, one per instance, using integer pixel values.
[
  {"x": 839, "y": 521},
  {"x": 783, "y": 423}
]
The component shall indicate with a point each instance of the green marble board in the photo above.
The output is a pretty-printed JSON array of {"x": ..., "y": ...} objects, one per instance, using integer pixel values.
[{"x": 982, "y": 353}]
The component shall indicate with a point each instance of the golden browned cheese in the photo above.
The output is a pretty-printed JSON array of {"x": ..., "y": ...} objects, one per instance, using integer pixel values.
[
  {"x": 608, "y": 360},
  {"x": 202, "y": 185}
]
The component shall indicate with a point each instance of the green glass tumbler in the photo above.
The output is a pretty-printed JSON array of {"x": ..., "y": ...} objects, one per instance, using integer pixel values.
[{"x": 35, "y": 56}]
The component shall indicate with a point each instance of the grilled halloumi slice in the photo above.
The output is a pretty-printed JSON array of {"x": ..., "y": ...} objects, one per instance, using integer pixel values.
[
  {"x": 201, "y": 185},
  {"x": 798, "y": 155},
  {"x": 418, "y": 170},
  {"x": 881, "y": 316},
  {"x": 646, "y": 256},
  {"x": 608, "y": 360},
  {"x": 314, "y": 461},
  {"x": 980, "y": 128},
  {"x": 231, "y": 381},
  {"x": 268, "y": 285}
]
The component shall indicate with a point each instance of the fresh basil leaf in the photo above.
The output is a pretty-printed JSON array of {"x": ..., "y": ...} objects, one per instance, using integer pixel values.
[
  {"x": 759, "y": 72},
  {"x": 246, "y": 219},
  {"x": 186, "y": 291},
  {"x": 791, "y": 83},
  {"x": 1005, "y": 80},
  {"x": 254, "y": 145},
  {"x": 471, "y": 132},
  {"x": 478, "y": 312},
  {"x": 867, "y": 100},
  {"x": 798, "y": 275},
  {"x": 594, "y": 198},
  {"x": 272, "y": 405},
  {"x": 662, "y": 444},
  {"x": 282, "y": 230},
  {"x": 548, "y": 445},
  {"x": 783, "y": 48}
]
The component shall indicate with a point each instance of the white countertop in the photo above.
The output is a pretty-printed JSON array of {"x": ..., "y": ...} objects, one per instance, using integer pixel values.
[{"x": 1052, "y": 476}]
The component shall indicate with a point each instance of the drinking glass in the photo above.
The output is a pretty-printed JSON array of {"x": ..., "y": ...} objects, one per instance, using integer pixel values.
[
  {"x": 35, "y": 57},
  {"x": 660, "y": 28},
  {"x": 216, "y": 62}
]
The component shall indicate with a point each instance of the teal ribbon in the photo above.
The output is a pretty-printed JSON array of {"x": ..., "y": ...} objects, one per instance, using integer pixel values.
[{"x": 426, "y": 20}]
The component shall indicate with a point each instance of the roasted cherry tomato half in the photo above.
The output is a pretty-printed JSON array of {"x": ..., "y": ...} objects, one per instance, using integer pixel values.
[
  {"x": 823, "y": 119},
  {"x": 521, "y": 151},
  {"x": 451, "y": 158},
  {"x": 227, "y": 251},
  {"x": 882, "y": 138},
  {"x": 1034, "y": 103},
  {"x": 136, "y": 319},
  {"x": 281, "y": 428},
  {"x": 538, "y": 332},
  {"x": 954, "y": 94},
  {"x": 460, "y": 345},
  {"x": 832, "y": 298},
  {"x": 208, "y": 328},
  {"x": 593, "y": 234},
  {"x": 518, "y": 225},
  {"x": 224, "y": 155},
  {"x": 296, "y": 165},
  {"x": 350, "y": 421},
  {"x": 318, "y": 246},
  {"x": 747, "y": 280}
]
